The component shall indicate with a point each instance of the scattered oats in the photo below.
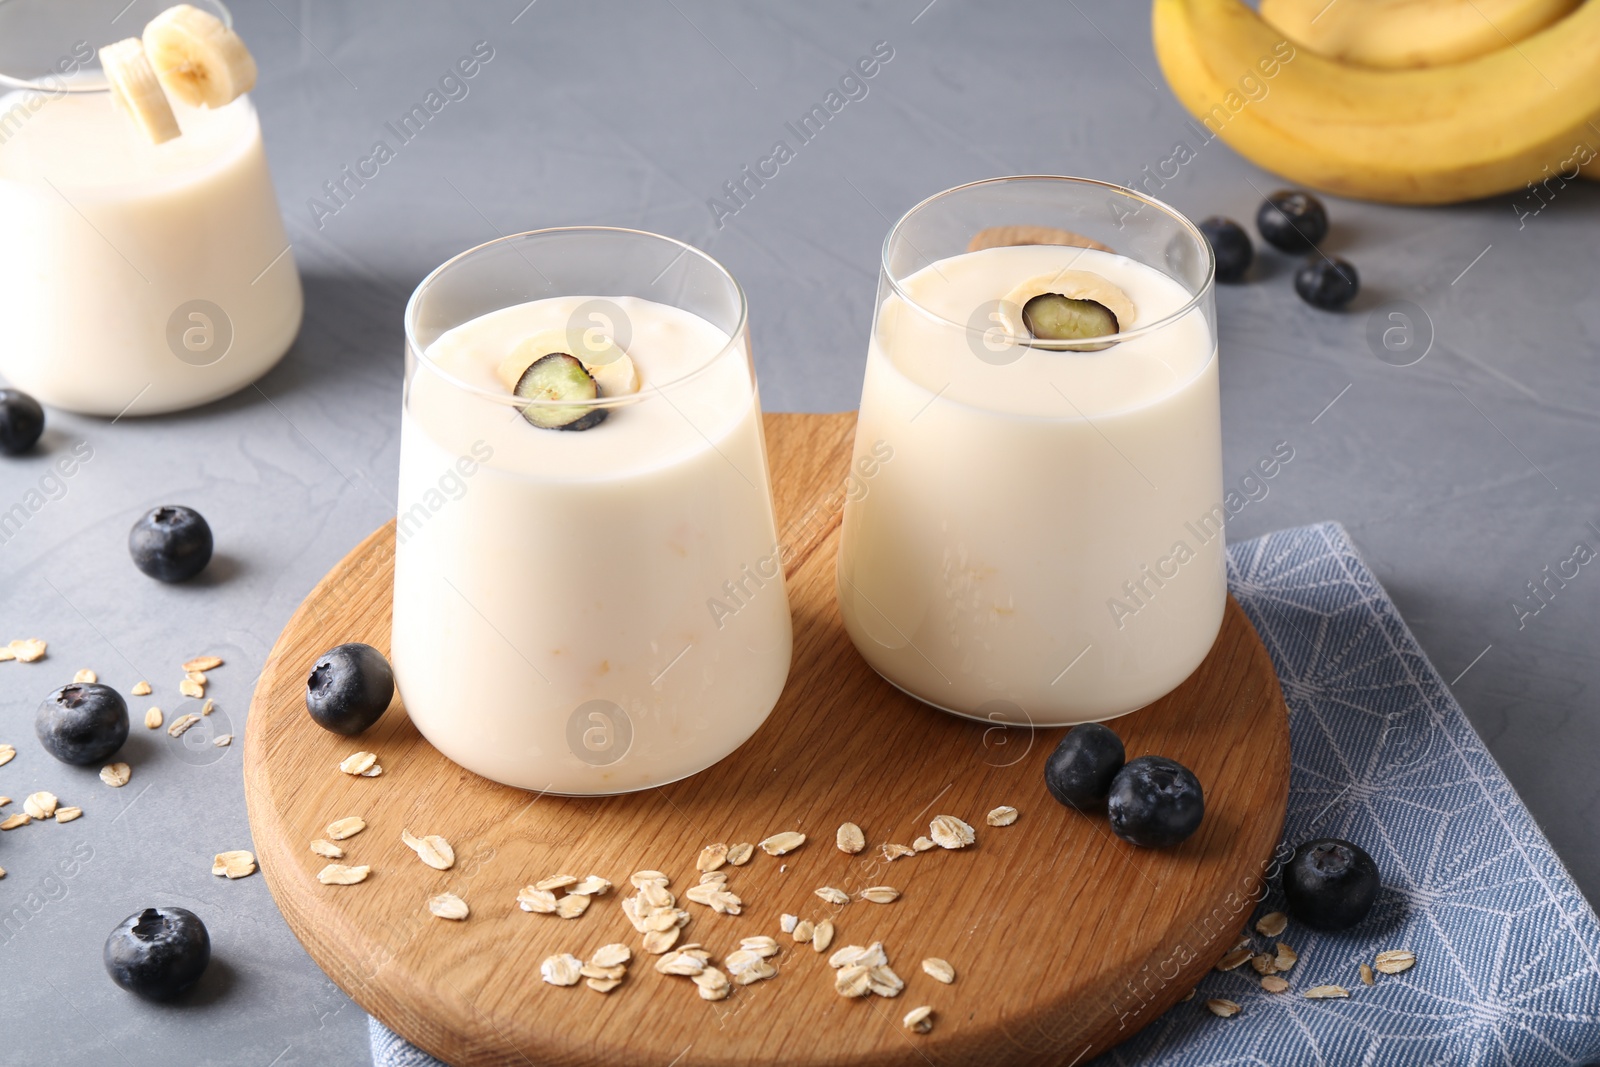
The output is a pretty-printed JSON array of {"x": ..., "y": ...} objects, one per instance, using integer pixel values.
[
  {"x": 656, "y": 895},
  {"x": 192, "y": 689},
  {"x": 853, "y": 981},
  {"x": 741, "y": 960},
  {"x": 1187, "y": 997},
  {"x": 716, "y": 897},
  {"x": 2, "y": 872},
  {"x": 372, "y": 771},
  {"x": 181, "y": 724},
  {"x": 1326, "y": 992},
  {"x": 222, "y": 740},
  {"x": 612, "y": 955},
  {"x": 923, "y": 844},
  {"x": 327, "y": 849},
  {"x": 1272, "y": 924},
  {"x": 740, "y": 854},
  {"x": 7, "y": 754},
  {"x": 881, "y": 894},
  {"x": 1243, "y": 941},
  {"x": 883, "y": 981},
  {"x": 870, "y": 956},
  {"x": 762, "y": 945},
  {"x": 433, "y": 850},
  {"x": 40, "y": 805},
  {"x": 152, "y": 719},
  {"x": 832, "y": 895},
  {"x": 762, "y": 970},
  {"x": 682, "y": 964},
  {"x": 639, "y": 878},
  {"x": 940, "y": 970},
  {"x": 86, "y": 675},
  {"x": 919, "y": 1020},
  {"x": 948, "y": 831},
  {"x": 1236, "y": 958},
  {"x": 448, "y": 906},
  {"x": 1273, "y": 984},
  {"x": 892, "y": 851},
  {"x": 711, "y": 857},
  {"x": 718, "y": 877},
  {"x": 602, "y": 985},
  {"x": 782, "y": 844},
  {"x": 787, "y": 922},
  {"x": 349, "y": 826},
  {"x": 4, "y": 801},
  {"x": 1004, "y": 815},
  {"x": 591, "y": 885},
  {"x": 1222, "y": 1008},
  {"x": 822, "y": 937},
  {"x": 28, "y": 649},
  {"x": 561, "y": 970},
  {"x": 68, "y": 814},
  {"x": 198, "y": 677},
  {"x": 6, "y": 654},
  {"x": 1264, "y": 963},
  {"x": 208, "y": 707},
  {"x": 339, "y": 874},
  {"x": 556, "y": 881},
  {"x": 804, "y": 931},
  {"x": 712, "y": 984},
  {"x": 1394, "y": 960},
  {"x": 658, "y": 941},
  {"x": 237, "y": 864},
  {"x": 203, "y": 663},
  {"x": 850, "y": 838},
  {"x": 532, "y": 898},
  {"x": 1366, "y": 976},
  {"x": 1286, "y": 958},
  {"x": 19, "y": 819},
  {"x": 570, "y": 906},
  {"x": 140, "y": 689},
  {"x": 358, "y": 762}
]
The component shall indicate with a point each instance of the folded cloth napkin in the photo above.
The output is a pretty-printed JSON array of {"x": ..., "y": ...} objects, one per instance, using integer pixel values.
[{"x": 1507, "y": 949}]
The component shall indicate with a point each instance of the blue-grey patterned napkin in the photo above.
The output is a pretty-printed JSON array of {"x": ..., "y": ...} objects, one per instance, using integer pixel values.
[{"x": 1508, "y": 950}]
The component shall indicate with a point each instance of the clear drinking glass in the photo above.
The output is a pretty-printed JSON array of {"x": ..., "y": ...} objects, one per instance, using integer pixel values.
[
  {"x": 595, "y": 610},
  {"x": 1041, "y": 540},
  {"x": 136, "y": 278}
]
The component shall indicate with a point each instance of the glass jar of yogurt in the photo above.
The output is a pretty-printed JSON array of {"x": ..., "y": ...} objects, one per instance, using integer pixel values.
[
  {"x": 588, "y": 593},
  {"x": 137, "y": 277},
  {"x": 1046, "y": 547}
]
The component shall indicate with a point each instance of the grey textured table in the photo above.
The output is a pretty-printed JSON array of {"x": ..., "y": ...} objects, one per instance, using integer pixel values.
[{"x": 1460, "y": 477}]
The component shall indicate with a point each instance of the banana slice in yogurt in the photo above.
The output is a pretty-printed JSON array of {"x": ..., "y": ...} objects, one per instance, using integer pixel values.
[
  {"x": 612, "y": 369},
  {"x": 1069, "y": 305}
]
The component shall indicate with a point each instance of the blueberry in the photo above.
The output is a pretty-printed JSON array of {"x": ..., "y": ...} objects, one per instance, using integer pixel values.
[
  {"x": 21, "y": 421},
  {"x": 1292, "y": 221},
  {"x": 1330, "y": 884},
  {"x": 1079, "y": 772},
  {"x": 1155, "y": 802},
  {"x": 171, "y": 544},
  {"x": 1231, "y": 245},
  {"x": 1328, "y": 284},
  {"x": 348, "y": 688},
  {"x": 158, "y": 952},
  {"x": 82, "y": 723}
]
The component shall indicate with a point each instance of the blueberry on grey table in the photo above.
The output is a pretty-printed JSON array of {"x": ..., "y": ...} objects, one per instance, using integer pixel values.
[
  {"x": 1155, "y": 802},
  {"x": 1231, "y": 245},
  {"x": 1292, "y": 221},
  {"x": 158, "y": 952},
  {"x": 1079, "y": 772},
  {"x": 82, "y": 723},
  {"x": 349, "y": 687},
  {"x": 1330, "y": 884},
  {"x": 1328, "y": 284},
  {"x": 171, "y": 544},
  {"x": 559, "y": 376},
  {"x": 21, "y": 421}
]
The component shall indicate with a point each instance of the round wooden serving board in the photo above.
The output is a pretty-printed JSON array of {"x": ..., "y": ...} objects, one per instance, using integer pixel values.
[{"x": 1065, "y": 939}]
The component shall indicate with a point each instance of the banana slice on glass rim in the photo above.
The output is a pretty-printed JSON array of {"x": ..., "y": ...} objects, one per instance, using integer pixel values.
[
  {"x": 1067, "y": 306},
  {"x": 136, "y": 90},
  {"x": 198, "y": 58}
]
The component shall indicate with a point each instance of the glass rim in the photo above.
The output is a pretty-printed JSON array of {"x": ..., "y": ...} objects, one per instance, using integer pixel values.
[
  {"x": 1184, "y": 221},
  {"x": 735, "y": 336},
  {"x": 8, "y": 81}
]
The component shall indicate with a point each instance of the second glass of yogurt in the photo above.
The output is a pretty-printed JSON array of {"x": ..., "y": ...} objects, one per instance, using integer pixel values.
[
  {"x": 588, "y": 592},
  {"x": 1046, "y": 545}
]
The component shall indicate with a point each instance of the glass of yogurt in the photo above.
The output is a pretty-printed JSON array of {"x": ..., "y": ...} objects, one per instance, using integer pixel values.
[
  {"x": 589, "y": 594},
  {"x": 146, "y": 268},
  {"x": 1045, "y": 547}
]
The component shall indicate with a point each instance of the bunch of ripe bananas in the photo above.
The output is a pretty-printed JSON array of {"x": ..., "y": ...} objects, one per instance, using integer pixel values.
[{"x": 1402, "y": 101}]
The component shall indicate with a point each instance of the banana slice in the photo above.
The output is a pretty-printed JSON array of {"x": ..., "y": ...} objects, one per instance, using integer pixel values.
[
  {"x": 603, "y": 358},
  {"x": 199, "y": 59},
  {"x": 135, "y": 89},
  {"x": 1074, "y": 285}
]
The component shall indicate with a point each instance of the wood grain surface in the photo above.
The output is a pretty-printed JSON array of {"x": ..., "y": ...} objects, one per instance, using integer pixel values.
[{"x": 1065, "y": 939}]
